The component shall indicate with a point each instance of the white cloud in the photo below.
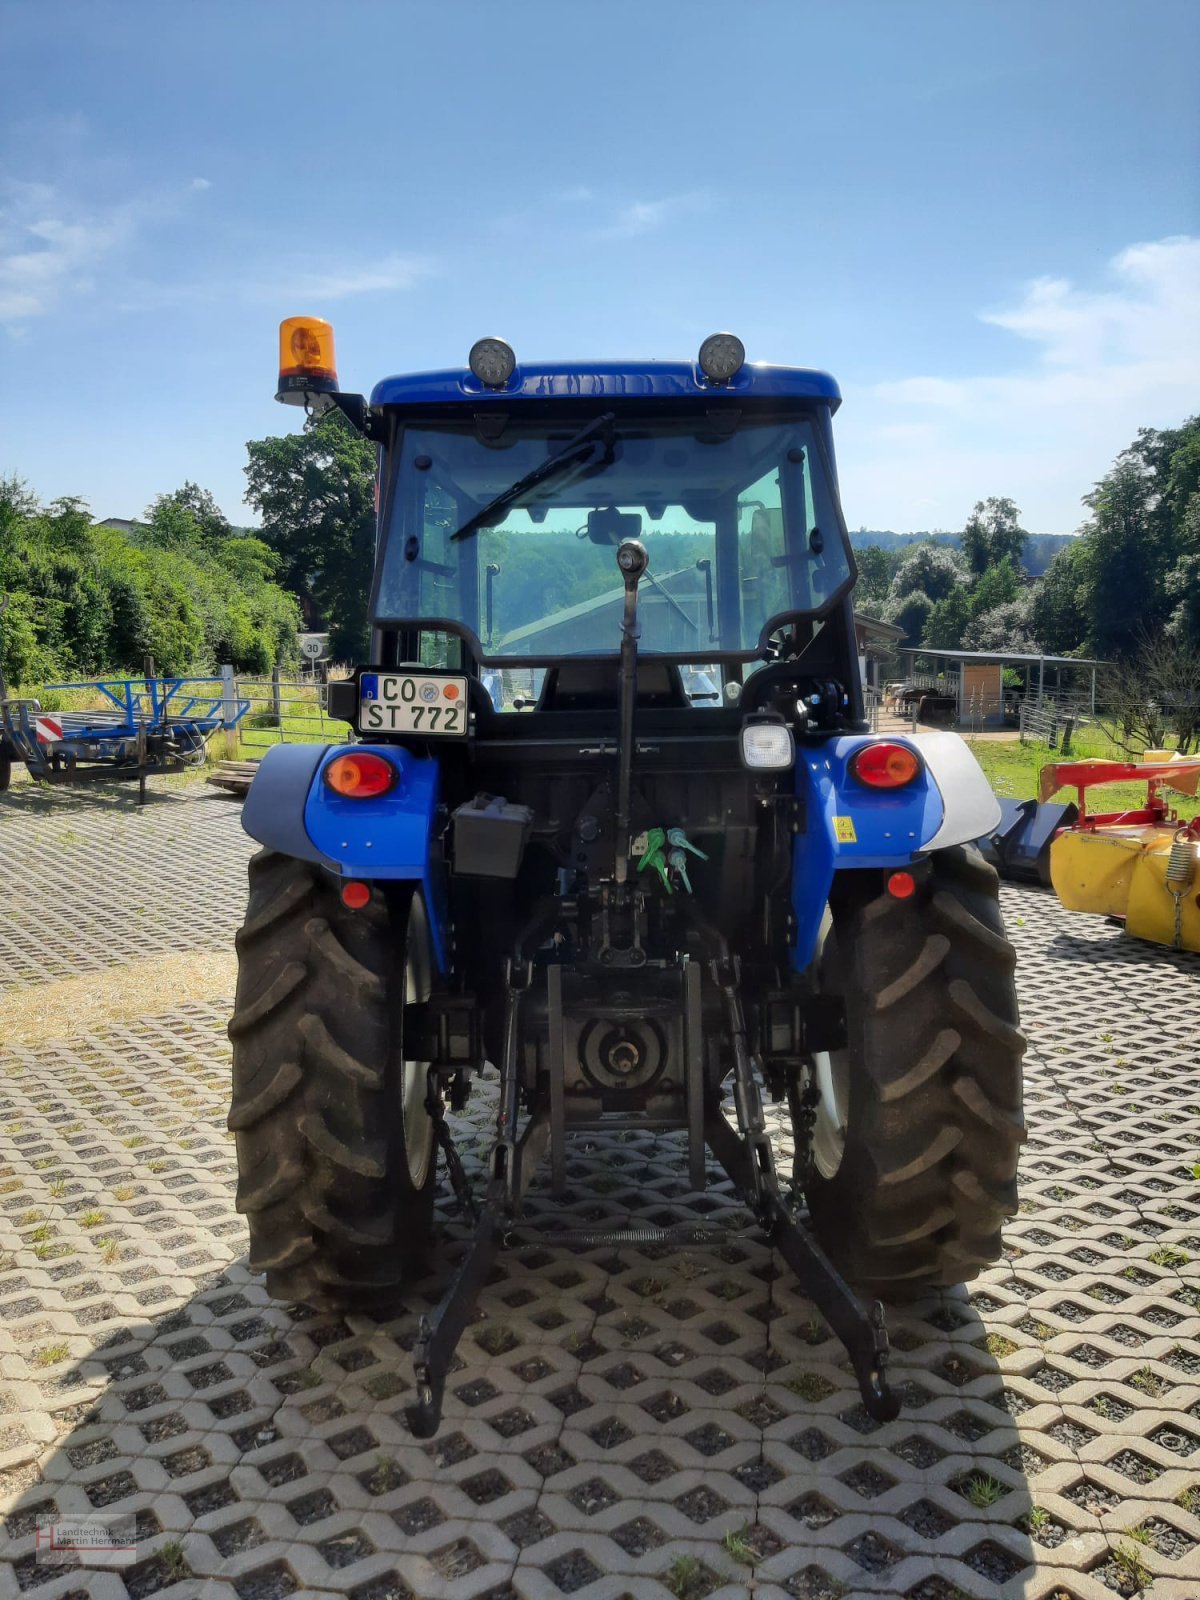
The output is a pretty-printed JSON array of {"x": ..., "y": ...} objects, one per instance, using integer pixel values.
[
  {"x": 643, "y": 216},
  {"x": 201, "y": 183},
  {"x": 263, "y": 283},
  {"x": 52, "y": 244},
  {"x": 391, "y": 274},
  {"x": 44, "y": 242},
  {"x": 1104, "y": 362}
]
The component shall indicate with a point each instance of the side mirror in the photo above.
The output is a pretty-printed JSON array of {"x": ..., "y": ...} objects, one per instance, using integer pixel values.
[{"x": 608, "y": 526}]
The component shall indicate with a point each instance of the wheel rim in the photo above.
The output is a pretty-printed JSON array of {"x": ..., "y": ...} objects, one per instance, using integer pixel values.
[
  {"x": 831, "y": 1073},
  {"x": 829, "y": 1127},
  {"x": 414, "y": 1076}
]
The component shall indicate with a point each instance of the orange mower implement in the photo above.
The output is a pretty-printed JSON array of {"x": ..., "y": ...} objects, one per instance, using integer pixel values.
[{"x": 1140, "y": 865}]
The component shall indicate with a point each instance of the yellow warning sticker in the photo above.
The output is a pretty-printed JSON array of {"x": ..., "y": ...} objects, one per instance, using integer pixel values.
[{"x": 843, "y": 829}]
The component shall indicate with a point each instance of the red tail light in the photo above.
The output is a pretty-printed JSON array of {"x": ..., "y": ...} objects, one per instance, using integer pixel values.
[
  {"x": 884, "y": 765},
  {"x": 360, "y": 776}
]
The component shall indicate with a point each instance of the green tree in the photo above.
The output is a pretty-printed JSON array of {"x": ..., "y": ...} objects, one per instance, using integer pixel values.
[
  {"x": 188, "y": 515},
  {"x": 1003, "y": 627},
  {"x": 993, "y": 533},
  {"x": 91, "y": 601},
  {"x": 315, "y": 493},
  {"x": 876, "y": 569},
  {"x": 1059, "y": 617},
  {"x": 1182, "y": 582},
  {"x": 1123, "y": 575},
  {"x": 947, "y": 621},
  {"x": 930, "y": 569},
  {"x": 998, "y": 586},
  {"x": 911, "y": 613}
]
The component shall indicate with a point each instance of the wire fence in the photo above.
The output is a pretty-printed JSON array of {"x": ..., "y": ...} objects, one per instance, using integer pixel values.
[
  {"x": 285, "y": 711},
  {"x": 1054, "y": 723}
]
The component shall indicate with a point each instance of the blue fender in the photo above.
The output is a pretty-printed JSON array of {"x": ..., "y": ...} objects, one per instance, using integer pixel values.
[
  {"x": 851, "y": 826},
  {"x": 387, "y": 838}
]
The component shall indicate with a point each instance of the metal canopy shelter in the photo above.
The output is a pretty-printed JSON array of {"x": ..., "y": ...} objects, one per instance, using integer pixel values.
[{"x": 1011, "y": 658}]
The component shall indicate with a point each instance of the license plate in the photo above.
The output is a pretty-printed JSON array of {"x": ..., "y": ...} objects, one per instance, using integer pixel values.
[{"x": 430, "y": 704}]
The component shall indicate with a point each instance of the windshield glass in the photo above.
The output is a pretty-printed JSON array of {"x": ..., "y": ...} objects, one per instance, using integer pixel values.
[{"x": 741, "y": 526}]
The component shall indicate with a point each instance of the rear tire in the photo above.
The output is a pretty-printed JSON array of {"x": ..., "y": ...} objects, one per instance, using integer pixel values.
[
  {"x": 336, "y": 1156},
  {"x": 915, "y": 1188}
]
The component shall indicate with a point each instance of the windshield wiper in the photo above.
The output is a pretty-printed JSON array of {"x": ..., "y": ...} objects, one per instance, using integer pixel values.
[
  {"x": 671, "y": 600},
  {"x": 576, "y": 450}
]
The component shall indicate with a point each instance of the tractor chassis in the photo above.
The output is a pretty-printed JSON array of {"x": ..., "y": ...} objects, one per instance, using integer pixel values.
[{"x": 744, "y": 1154}]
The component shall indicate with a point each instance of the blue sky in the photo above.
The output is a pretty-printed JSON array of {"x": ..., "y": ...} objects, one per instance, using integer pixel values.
[{"x": 983, "y": 218}]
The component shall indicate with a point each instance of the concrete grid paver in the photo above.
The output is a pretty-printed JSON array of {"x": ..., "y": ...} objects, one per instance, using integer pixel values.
[{"x": 621, "y": 1421}]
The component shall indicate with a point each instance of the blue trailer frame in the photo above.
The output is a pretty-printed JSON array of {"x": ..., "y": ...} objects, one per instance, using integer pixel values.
[{"x": 155, "y": 725}]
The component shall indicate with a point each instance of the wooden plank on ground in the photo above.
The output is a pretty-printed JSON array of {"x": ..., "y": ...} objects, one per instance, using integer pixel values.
[{"x": 236, "y": 776}]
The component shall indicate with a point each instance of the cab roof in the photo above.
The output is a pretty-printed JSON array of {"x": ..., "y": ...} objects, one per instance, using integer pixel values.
[{"x": 550, "y": 380}]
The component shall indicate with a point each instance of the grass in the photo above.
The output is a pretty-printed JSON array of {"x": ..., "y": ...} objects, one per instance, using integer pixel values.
[
  {"x": 997, "y": 1345},
  {"x": 124, "y": 1191},
  {"x": 737, "y": 1546},
  {"x": 1013, "y": 769},
  {"x": 1146, "y": 1381},
  {"x": 1037, "y": 1519},
  {"x": 983, "y": 1491},
  {"x": 174, "y": 1561},
  {"x": 109, "y": 1250},
  {"x": 388, "y": 1474},
  {"x": 50, "y": 1354},
  {"x": 92, "y": 1219},
  {"x": 58, "y": 1188},
  {"x": 1131, "y": 1567},
  {"x": 1164, "y": 1256},
  {"x": 1189, "y": 1499},
  {"x": 684, "y": 1577},
  {"x": 810, "y": 1386},
  {"x": 135, "y": 1142}
]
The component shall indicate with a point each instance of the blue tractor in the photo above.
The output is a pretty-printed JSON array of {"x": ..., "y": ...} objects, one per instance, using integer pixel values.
[{"x": 609, "y": 821}]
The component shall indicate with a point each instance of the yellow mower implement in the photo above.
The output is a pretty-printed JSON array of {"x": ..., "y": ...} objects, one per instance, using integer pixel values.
[{"x": 1142, "y": 865}]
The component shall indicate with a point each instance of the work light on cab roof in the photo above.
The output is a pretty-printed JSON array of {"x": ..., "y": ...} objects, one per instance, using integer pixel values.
[
  {"x": 722, "y": 356},
  {"x": 492, "y": 361},
  {"x": 307, "y": 363}
]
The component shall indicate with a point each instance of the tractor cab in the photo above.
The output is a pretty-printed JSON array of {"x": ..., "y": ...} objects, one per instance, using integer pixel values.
[{"x": 501, "y": 515}]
